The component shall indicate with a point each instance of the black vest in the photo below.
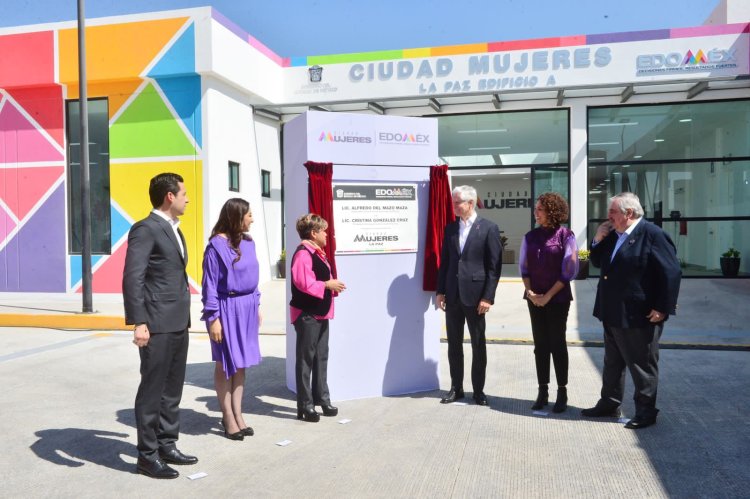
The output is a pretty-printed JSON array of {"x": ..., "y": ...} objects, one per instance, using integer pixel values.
[{"x": 308, "y": 303}]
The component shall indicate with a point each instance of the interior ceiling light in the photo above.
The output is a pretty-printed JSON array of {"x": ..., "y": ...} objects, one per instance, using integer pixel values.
[
  {"x": 603, "y": 143},
  {"x": 658, "y": 140},
  {"x": 686, "y": 120},
  {"x": 489, "y": 148},
  {"x": 489, "y": 130},
  {"x": 627, "y": 123}
]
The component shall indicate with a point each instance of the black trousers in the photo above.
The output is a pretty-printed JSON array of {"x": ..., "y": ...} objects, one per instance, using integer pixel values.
[
  {"x": 548, "y": 326},
  {"x": 638, "y": 350},
  {"x": 456, "y": 314},
  {"x": 157, "y": 403},
  {"x": 312, "y": 362}
]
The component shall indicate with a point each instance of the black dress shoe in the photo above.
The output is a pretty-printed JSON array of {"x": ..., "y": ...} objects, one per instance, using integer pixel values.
[
  {"x": 238, "y": 435},
  {"x": 156, "y": 469},
  {"x": 329, "y": 410},
  {"x": 234, "y": 436},
  {"x": 174, "y": 456},
  {"x": 480, "y": 398},
  {"x": 308, "y": 415},
  {"x": 452, "y": 396},
  {"x": 640, "y": 422},
  {"x": 601, "y": 411}
]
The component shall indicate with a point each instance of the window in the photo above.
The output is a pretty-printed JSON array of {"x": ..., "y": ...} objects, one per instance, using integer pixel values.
[
  {"x": 265, "y": 183},
  {"x": 509, "y": 158},
  {"x": 504, "y": 139},
  {"x": 101, "y": 222},
  {"x": 689, "y": 163},
  {"x": 234, "y": 176}
]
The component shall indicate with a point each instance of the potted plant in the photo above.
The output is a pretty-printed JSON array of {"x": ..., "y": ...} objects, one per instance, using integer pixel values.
[
  {"x": 509, "y": 256},
  {"x": 730, "y": 262},
  {"x": 281, "y": 265},
  {"x": 583, "y": 264}
]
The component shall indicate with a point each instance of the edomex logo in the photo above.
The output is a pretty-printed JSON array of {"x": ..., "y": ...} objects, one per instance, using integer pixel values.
[
  {"x": 678, "y": 62},
  {"x": 403, "y": 137},
  {"x": 344, "y": 138},
  {"x": 697, "y": 58}
]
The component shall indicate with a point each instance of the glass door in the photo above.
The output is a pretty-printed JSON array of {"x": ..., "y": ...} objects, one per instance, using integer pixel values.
[
  {"x": 550, "y": 179},
  {"x": 504, "y": 197}
]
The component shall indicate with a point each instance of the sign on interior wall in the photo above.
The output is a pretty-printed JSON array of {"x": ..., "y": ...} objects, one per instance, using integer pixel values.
[{"x": 375, "y": 218}]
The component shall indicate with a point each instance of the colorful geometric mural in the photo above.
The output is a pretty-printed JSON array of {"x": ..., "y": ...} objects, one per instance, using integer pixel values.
[{"x": 146, "y": 71}]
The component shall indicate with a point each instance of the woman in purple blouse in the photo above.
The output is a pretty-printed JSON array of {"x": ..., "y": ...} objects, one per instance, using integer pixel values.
[
  {"x": 230, "y": 309},
  {"x": 548, "y": 262}
]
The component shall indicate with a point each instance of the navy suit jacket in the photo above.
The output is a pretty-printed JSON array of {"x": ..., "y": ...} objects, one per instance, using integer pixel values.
[
  {"x": 472, "y": 274},
  {"x": 154, "y": 284},
  {"x": 643, "y": 276}
]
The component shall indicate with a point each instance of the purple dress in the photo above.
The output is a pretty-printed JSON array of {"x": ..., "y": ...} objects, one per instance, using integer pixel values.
[{"x": 230, "y": 293}]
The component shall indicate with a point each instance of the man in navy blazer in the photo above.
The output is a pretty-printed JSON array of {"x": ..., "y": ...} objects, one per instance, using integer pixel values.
[
  {"x": 638, "y": 288},
  {"x": 470, "y": 266},
  {"x": 157, "y": 303}
]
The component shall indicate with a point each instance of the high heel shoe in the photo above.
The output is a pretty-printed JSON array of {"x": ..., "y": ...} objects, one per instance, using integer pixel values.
[
  {"x": 329, "y": 410},
  {"x": 562, "y": 400},
  {"x": 247, "y": 431},
  {"x": 308, "y": 415},
  {"x": 232, "y": 436},
  {"x": 542, "y": 398}
]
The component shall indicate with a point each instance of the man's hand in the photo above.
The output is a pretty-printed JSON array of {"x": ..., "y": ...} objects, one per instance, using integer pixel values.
[
  {"x": 440, "y": 301},
  {"x": 214, "y": 331},
  {"x": 484, "y": 307},
  {"x": 655, "y": 316},
  {"x": 602, "y": 231},
  {"x": 141, "y": 335}
]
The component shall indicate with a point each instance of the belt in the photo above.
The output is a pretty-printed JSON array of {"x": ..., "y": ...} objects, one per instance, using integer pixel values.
[{"x": 234, "y": 294}]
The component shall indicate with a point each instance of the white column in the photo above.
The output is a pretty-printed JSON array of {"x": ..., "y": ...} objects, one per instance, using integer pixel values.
[{"x": 579, "y": 194}]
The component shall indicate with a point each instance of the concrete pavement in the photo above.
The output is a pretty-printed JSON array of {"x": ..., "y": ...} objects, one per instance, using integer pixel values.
[
  {"x": 70, "y": 381},
  {"x": 68, "y": 430}
]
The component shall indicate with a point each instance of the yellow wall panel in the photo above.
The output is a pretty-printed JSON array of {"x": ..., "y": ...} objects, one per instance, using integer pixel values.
[
  {"x": 129, "y": 189},
  {"x": 115, "y": 51}
]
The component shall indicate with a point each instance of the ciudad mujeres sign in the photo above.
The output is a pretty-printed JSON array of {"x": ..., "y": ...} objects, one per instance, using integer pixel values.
[{"x": 543, "y": 68}]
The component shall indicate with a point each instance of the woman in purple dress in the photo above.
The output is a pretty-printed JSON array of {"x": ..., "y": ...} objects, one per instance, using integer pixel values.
[
  {"x": 230, "y": 309},
  {"x": 548, "y": 262}
]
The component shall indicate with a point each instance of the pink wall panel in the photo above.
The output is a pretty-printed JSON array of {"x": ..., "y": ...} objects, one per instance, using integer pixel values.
[
  {"x": 45, "y": 106},
  {"x": 28, "y": 59},
  {"x": 23, "y": 141}
]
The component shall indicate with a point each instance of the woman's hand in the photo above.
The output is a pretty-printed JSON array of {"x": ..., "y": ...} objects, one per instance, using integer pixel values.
[
  {"x": 537, "y": 300},
  {"x": 214, "y": 331},
  {"x": 335, "y": 285}
]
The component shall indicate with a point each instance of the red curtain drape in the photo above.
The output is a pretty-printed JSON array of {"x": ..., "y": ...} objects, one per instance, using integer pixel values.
[
  {"x": 439, "y": 214},
  {"x": 320, "y": 201}
]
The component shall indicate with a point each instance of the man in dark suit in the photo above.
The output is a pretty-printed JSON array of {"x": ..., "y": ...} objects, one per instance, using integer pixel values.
[
  {"x": 467, "y": 279},
  {"x": 157, "y": 302},
  {"x": 638, "y": 288}
]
